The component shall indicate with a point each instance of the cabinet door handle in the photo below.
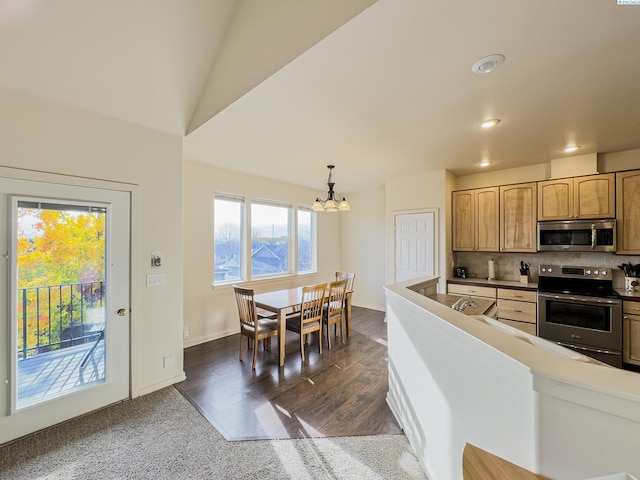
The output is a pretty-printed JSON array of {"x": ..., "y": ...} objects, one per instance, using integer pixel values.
[
  {"x": 516, "y": 296},
  {"x": 514, "y": 310}
]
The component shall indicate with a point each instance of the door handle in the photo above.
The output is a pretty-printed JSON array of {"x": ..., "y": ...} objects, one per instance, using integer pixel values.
[{"x": 122, "y": 312}]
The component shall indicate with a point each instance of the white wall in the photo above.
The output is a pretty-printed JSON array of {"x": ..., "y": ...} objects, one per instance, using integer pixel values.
[
  {"x": 212, "y": 313},
  {"x": 564, "y": 418},
  {"x": 415, "y": 192},
  {"x": 45, "y": 136},
  {"x": 447, "y": 388},
  {"x": 363, "y": 248}
]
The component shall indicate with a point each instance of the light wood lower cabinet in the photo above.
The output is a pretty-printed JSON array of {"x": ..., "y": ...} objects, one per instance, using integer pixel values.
[
  {"x": 518, "y": 308},
  {"x": 631, "y": 332}
]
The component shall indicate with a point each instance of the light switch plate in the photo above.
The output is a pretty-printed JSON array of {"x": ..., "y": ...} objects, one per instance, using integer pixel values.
[{"x": 156, "y": 280}]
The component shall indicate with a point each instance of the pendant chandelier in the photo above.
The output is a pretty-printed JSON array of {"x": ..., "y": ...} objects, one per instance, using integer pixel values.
[{"x": 331, "y": 204}]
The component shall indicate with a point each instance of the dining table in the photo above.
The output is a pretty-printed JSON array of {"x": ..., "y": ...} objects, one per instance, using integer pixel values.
[{"x": 287, "y": 301}]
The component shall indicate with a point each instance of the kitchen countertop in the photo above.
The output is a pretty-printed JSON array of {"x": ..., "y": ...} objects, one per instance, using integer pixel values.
[
  {"x": 484, "y": 304},
  {"x": 628, "y": 294},
  {"x": 496, "y": 283}
]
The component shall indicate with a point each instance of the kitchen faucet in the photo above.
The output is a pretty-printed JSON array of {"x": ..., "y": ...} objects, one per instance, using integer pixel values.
[{"x": 463, "y": 303}]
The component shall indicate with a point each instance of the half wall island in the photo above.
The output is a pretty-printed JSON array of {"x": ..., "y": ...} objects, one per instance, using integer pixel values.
[{"x": 456, "y": 379}]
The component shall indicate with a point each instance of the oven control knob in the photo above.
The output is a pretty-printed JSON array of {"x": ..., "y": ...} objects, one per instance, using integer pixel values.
[
  {"x": 595, "y": 272},
  {"x": 588, "y": 272},
  {"x": 603, "y": 272},
  {"x": 544, "y": 269},
  {"x": 549, "y": 270}
]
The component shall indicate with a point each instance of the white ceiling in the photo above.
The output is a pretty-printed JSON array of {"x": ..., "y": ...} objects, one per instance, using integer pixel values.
[{"x": 283, "y": 90}]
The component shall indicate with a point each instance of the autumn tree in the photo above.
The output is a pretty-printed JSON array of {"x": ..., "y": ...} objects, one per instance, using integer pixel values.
[{"x": 60, "y": 248}]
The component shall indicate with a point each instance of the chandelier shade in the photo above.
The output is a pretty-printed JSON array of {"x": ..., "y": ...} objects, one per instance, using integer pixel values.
[{"x": 331, "y": 204}]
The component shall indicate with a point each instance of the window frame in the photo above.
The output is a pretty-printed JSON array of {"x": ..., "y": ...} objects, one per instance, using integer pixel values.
[
  {"x": 312, "y": 239},
  {"x": 243, "y": 227},
  {"x": 251, "y": 239},
  {"x": 247, "y": 239}
]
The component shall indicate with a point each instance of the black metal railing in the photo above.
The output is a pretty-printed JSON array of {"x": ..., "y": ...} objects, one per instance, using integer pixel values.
[{"x": 56, "y": 316}]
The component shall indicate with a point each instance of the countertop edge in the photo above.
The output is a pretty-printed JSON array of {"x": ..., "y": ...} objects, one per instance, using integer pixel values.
[{"x": 495, "y": 283}]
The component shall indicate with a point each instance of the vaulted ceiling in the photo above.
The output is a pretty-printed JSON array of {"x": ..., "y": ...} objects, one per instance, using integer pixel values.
[{"x": 281, "y": 88}]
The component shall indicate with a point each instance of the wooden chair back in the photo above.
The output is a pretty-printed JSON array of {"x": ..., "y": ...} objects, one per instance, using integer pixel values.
[
  {"x": 246, "y": 306},
  {"x": 253, "y": 325},
  {"x": 312, "y": 307},
  {"x": 334, "y": 311},
  {"x": 349, "y": 277},
  {"x": 337, "y": 292}
]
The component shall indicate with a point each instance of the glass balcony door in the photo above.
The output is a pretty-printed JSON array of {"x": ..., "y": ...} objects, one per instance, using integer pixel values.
[{"x": 67, "y": 287}]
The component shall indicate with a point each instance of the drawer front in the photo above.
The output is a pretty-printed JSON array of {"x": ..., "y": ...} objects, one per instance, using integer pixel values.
[
  {"x": 530, "y": 328},
  {"x": 519, "y": 295},
  {"x": 631, "y": 307},
  {"x": 458, "y": 289},
  {"x": 521, "y": 311}
]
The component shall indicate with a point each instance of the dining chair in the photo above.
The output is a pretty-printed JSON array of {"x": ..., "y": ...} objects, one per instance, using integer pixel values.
[
  {"x": 254, "y": 325},
  {"x": 334, "y": 309},
  {"x": 349, "y": 277},
  {"x": 309, "y": 318}
]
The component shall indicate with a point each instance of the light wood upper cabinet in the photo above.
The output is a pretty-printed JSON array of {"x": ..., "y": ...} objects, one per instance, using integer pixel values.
[
  {"x": 518, "y": 206},
  {"x": 555, "y": 199},
  {"x": 592, "y": 196},
  {"x": 463, "y": 224},
  {"x": 628, "y": 212},
  {"x": 475, "y": 220},
  {"x": 487, "y": 215}
]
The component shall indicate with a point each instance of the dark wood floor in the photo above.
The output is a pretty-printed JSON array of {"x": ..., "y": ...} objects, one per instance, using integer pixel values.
[{"x": 339, "y": 393}]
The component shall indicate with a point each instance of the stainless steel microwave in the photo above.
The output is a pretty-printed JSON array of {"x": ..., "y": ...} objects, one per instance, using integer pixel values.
[{"x": 577, "y": 236}]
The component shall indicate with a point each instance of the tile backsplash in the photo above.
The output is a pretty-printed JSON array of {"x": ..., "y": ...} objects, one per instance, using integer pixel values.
[{"x": 507, "y": 265}]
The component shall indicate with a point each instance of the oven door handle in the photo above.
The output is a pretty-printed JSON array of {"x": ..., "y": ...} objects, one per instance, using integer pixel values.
[
  {"x": 588, "y": 349},
  {"x": 593, "y": 236},
  {"x": 561, "y": 296}
]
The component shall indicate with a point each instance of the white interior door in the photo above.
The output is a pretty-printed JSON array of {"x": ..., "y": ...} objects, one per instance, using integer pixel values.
[
  {"x": 65, "y": 288},
  {"x": 415, "y": 245}
]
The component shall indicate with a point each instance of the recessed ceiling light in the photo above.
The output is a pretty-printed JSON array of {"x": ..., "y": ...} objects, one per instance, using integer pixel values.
[
  {"x": 572, "y": 148},
  {"x": 486, "y": 163},
  {"x": 488, "y": 64},
  {"x": 492, "y": 122}
]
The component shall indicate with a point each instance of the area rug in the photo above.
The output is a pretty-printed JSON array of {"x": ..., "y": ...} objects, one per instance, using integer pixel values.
[{"x": 162, "y": 436}]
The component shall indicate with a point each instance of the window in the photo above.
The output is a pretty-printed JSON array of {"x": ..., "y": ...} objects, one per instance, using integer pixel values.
[
  {"x": 227, "y": 243},
  {"x": 306, "y": 253},
  {"x": 279, "y": 240},
  {"x": 269, "y": 240}
]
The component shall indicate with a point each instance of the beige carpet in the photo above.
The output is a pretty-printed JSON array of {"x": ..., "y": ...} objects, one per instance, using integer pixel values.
[{"x": 161, "y": 436}]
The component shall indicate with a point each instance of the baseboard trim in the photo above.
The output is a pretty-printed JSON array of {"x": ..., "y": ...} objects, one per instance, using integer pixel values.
[
  {"x": 158, "y": 386},
  {"x": 370, "y": 307},
  {"x": 197, "y": 341}
]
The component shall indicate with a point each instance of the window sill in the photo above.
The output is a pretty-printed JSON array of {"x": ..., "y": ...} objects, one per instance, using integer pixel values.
[{"x": 260, "y": 281}]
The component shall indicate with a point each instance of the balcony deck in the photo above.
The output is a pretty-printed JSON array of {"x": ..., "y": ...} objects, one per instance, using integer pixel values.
[{"x": 47, "y": 375}]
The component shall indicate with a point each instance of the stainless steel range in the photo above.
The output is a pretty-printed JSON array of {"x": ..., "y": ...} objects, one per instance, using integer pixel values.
[{"x": 578, "y": 309}]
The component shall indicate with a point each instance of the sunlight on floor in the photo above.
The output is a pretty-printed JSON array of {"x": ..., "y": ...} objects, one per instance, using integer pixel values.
[{"x": 337, "y": 462}]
